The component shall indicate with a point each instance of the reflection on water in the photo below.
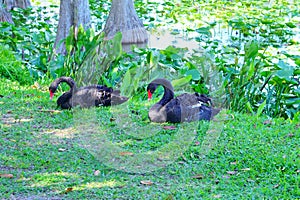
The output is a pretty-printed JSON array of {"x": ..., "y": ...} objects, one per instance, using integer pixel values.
[{"x": 162, "y": 39}]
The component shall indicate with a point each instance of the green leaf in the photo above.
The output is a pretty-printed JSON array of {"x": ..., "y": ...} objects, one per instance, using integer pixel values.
[
  {"x": 194, "y": 73},
  {"x": 286, "y": 71},
  {"x": 182, "y": 81},
  {"x": 297, "y": 61},
  {"x": 150, "y": 58},
  {"x": 248, "y": 105},
  {"x": 293, "y": 101},
  {"x": 251, "y": 50},
  {"x": 117, "y": 45},
  {"x": 290, "y": 24},
  {"x": 261, "y": 108},
  {"x": 126, "y": 83},
  {"x": 251, "y": 70},
  {"x": 204, "y": 31}
]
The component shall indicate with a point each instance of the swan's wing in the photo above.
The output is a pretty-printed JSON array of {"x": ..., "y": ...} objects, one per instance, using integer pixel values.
[
  {"x": 64, "y": 100},
  {"x": 100, "y": 88},
  {"x": 85, "y": 97},
  {"x": 96, "y": 95},
  {"x": 108, "y": 97},
  {"x": 194, "y": 107},
  {"x": 203, "y": 98}
]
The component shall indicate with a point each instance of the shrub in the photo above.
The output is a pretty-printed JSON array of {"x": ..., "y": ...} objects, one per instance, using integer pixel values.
[{"x": 12, "y": 68}]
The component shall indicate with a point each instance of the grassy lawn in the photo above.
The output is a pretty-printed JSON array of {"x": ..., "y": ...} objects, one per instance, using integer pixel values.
[{"x": 253, "y": 157}]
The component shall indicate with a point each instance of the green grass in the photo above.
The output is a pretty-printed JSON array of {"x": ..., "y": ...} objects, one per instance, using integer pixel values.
[{"x": 254, "y": 158}]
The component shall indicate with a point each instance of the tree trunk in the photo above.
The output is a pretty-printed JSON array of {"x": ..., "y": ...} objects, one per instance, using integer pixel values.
[
  {"x": 122, "y": 17},
  {"x": 71, "y": 13},
  {"x": 16, "y": 3},
  {"x": 5, "y": 16}
]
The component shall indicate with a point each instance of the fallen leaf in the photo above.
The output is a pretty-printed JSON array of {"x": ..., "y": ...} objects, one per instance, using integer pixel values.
[
  {"x": 169, "y": 197},
  {"x": 217, "y": 196},
  {"x": 267, "y": 122},
  {"x": 29, "y": 95},
  {"x": 97, "y": 172},
  {"x": 69, "y": 189},
  {"x": 224, "y": 176},
  {"x": 162, "y": 158},
  {"x": 169, "y": 127},
  {"x": 6, "y": 175},
  {"x": 61, "y": 149},
  {"x": 147, "y": 182},
  {"x": 246, "y": 169},
  {"x": 183, "y": 157},
  {"x": 276, "y": 186},
  {"x": 231, "y": 172},
  {"x": 112, "y": 119},
  {"x": 36, "y": 85},
  {"x": 51, "y": 111},
  {"x": 126, "y": 153},
  {"x": 198, "y": 176}
]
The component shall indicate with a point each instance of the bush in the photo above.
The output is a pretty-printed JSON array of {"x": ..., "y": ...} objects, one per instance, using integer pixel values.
[{"x": 12, "y": 68}]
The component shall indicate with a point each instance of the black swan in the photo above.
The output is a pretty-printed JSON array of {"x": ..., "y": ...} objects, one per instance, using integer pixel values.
[
  {"x": 184, "y": 108},
  {"x": 85, "y": 97}
]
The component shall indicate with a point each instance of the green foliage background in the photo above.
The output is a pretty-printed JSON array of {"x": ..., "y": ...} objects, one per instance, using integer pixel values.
[
  {"x": 247, "y": 51},
  {"x": 248, "y": 60}
]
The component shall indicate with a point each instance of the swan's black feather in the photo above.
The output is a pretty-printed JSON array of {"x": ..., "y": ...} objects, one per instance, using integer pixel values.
[
  {"x": 184, "y": 108},
  {"x": 87, "y": 96}
]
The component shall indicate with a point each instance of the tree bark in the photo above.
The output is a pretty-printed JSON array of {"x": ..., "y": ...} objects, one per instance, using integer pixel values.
[
  {"x": 17, "y": 3},
  {"x": 122, "y": 17},
  {"x": 5, "y": 16},
  {"x": 71, "y": 13}
]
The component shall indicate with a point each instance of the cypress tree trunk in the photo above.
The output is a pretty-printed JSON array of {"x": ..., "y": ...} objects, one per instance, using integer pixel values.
[
  {"x": 122, "y": 17},
  {"x": 17, "y": 3},
  {"x": 5, "y": 16},
  {"x": 71, "y": 13}
]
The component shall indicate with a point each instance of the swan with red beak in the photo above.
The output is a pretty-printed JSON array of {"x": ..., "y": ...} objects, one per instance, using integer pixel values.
[{"x": 183, "y": 108}]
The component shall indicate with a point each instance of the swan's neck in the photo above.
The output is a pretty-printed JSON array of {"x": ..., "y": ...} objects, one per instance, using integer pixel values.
[
  {"x": 67, "y": 80},
  {"x": 168, "y": 96}
]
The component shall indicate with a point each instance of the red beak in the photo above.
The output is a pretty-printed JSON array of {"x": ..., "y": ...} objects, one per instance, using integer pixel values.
[
  {"x": 149, "y": 95},
  {"x": 51, "y": 94}
]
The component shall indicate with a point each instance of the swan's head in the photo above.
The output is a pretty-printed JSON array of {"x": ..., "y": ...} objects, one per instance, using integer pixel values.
[
  {"x": 155, "y": 83},
  {"x": 52, "y": 91},
  {"x": 150, "y": 89},
  {"x": 56, "y": 82}
]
